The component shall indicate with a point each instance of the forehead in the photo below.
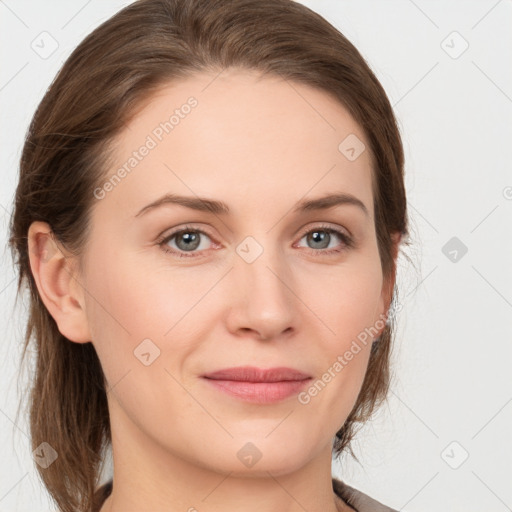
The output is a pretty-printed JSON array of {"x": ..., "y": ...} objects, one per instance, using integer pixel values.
[{"x": 241, "y": 138}]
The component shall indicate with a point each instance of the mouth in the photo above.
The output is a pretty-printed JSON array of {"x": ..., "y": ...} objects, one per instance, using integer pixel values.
[{"x": 258, "y": 385}]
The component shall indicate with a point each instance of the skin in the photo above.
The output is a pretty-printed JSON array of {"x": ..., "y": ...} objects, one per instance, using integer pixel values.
[{"x": 260, "y": 145}]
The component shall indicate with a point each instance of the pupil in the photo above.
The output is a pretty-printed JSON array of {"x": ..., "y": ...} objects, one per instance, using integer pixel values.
[
  {"x": 189, "y": 240},
  {"x": 322, "y": 236}
]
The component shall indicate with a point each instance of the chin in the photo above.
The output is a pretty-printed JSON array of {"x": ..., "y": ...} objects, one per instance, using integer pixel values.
[{"x": 259, "y": 457}]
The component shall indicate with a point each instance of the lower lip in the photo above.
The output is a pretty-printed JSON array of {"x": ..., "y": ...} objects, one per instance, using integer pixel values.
[{"x": 260, "y": 392}]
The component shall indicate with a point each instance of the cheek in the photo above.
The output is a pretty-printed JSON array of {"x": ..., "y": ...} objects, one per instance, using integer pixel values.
[
  {"x": 140, "y": 298},
  {"x": 348, "y": 299},
  {"x": 349, "y": 311},
  {"x": 131, "y": 301}
]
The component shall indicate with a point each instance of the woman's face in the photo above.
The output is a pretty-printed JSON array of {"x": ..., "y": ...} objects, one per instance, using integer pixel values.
[{"x": 260, "y": 282}]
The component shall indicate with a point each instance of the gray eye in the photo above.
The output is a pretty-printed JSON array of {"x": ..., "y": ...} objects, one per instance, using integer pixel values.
[
  {"x": 187, "y": 240},
  {"x": 320, "y": 238}
]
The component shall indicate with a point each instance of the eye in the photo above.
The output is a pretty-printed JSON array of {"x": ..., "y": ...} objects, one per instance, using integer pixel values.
[
  {"x": 321, "y": 236},
  {"x": 189, "y": 240}
]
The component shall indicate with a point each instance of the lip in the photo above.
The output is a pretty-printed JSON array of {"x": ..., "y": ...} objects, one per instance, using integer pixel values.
[{"x": 258, "y": 385}]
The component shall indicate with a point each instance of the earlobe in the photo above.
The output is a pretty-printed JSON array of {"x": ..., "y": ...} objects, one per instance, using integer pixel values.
[{"x": 53, "y": 271}]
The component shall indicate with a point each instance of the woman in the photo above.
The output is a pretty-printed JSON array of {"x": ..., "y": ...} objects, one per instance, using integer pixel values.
[{"x": 209, "y": 212}]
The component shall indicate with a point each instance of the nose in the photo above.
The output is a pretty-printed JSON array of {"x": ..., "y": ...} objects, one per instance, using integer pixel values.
[{"x": 262, "y": 303}]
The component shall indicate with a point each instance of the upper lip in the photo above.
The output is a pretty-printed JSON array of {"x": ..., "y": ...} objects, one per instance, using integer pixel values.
[{"x": 253, "y": 374}]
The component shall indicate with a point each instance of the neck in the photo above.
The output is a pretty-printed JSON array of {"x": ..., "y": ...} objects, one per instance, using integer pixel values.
[{"x": 149, "y": 476}]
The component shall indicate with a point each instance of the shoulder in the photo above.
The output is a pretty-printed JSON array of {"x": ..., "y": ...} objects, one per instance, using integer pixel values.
[{"x": 359, "y": 501}]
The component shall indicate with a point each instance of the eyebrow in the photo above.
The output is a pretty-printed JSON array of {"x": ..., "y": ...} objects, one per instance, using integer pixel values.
[{"x": 220, "y": 208}]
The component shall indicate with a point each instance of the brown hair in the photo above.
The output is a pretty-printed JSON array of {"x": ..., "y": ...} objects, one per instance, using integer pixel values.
[{"x": 100, "y": 87}]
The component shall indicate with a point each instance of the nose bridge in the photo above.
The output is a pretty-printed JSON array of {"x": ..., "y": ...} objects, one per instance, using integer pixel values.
[
  {"x": 262, "y": 274},
  {"x": 259, "y": 264}
]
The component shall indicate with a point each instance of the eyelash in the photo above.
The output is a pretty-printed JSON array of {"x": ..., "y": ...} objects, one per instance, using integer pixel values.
[{"x": 346, "y": 239}]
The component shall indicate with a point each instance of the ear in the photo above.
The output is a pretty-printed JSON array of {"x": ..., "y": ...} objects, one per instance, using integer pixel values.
[
  {"x": 389, "y": 284},
  {"x": 59, "y": 289}
]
